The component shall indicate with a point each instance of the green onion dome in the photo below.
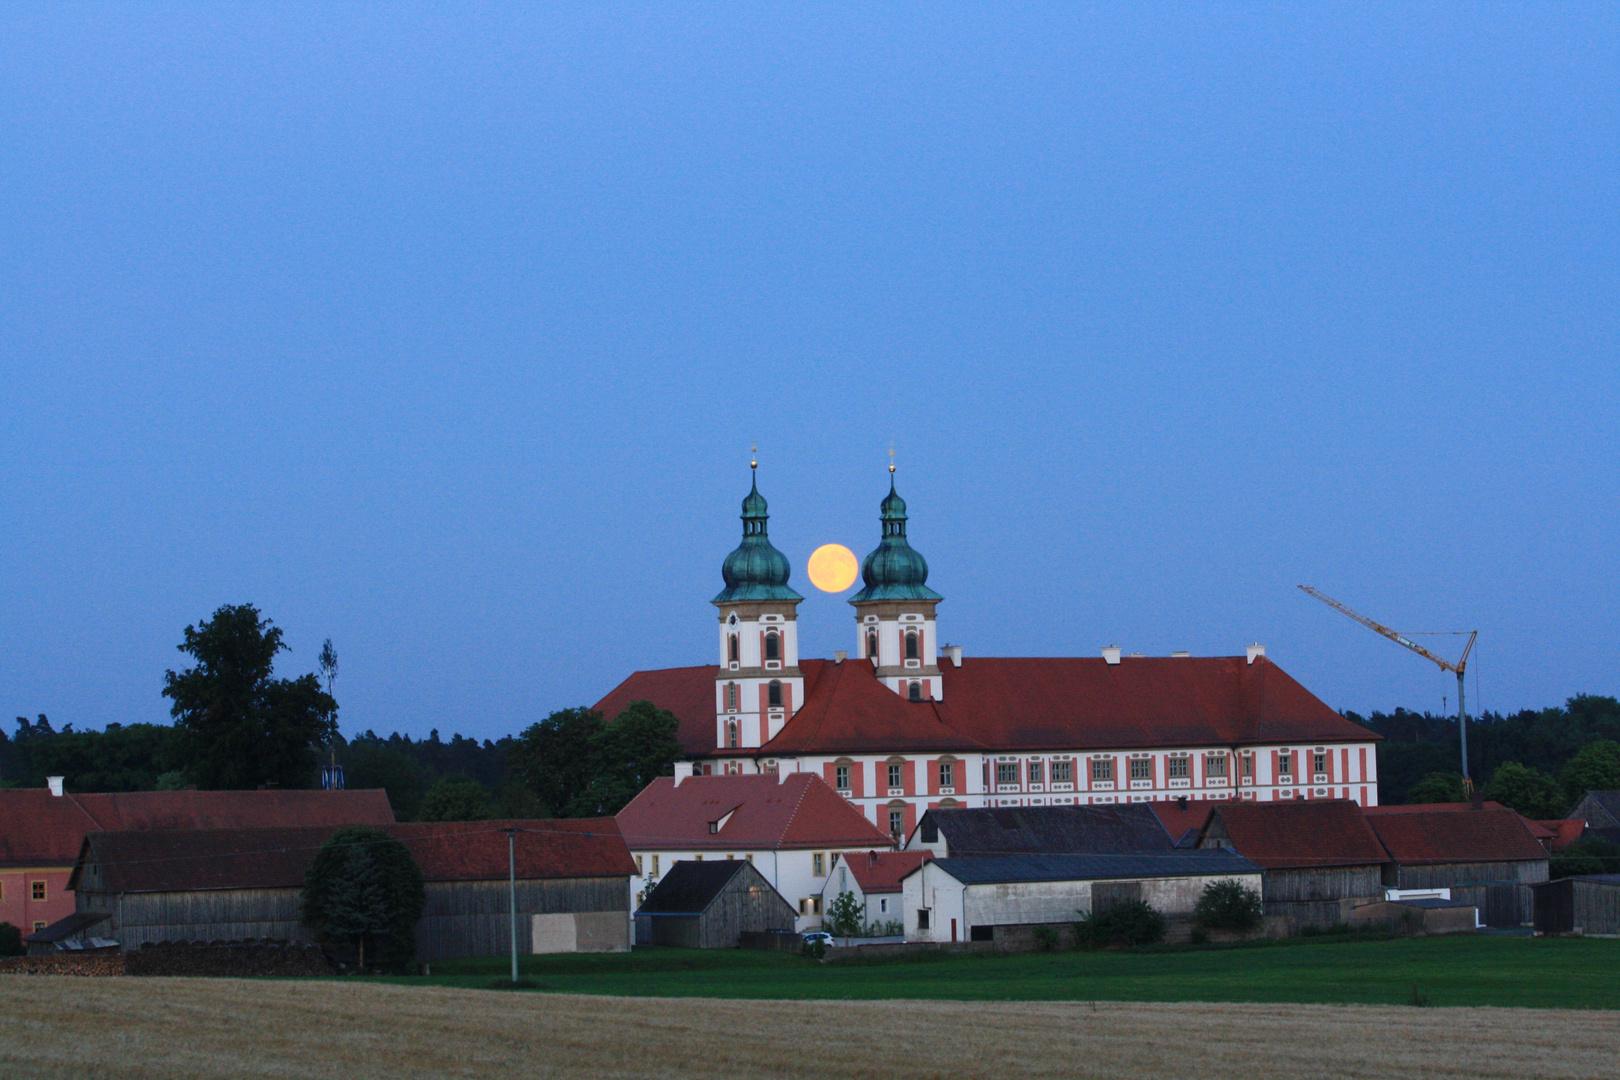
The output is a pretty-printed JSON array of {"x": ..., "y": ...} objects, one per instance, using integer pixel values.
[
  {"x": 894, "y": 570},
  {"x": 755, "y": 570}
]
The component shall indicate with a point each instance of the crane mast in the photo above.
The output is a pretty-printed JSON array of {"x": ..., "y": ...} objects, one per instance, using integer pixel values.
[{"x": 1460, "y": 667}]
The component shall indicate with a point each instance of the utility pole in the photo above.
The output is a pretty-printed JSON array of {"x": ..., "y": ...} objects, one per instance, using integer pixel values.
[
  {"x": 511, "y": 883},
  {"x": 1445, "y": 665}
]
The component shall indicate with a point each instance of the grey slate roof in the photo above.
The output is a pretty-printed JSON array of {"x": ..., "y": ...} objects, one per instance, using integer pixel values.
[
  {"x": 1000, "y": 869},
  {"x": 1053, "y": 830},
  {"x": 690, "y": 887}
]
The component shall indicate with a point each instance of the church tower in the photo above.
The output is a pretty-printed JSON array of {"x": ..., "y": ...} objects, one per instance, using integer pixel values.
[
  {"x": 894, "y": 612},
  {"x": 759, "y": 685}
]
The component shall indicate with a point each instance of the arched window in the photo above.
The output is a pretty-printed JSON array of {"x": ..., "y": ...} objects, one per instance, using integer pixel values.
[
  {"x": 773, "y": 648},
  {"x": 914, "y": 692},
  {"x": 731, "y": 648},
  {"x": 731, "y": 733},
  {"x": 911, "y": 646},
  {"x": 773, "y": 695},
  {"x": 871, "y": 644}
]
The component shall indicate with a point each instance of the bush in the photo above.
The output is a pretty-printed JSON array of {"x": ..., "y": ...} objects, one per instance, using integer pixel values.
[
  {"x": 1228, "y": 905},
  {"x": 1199, "y": 936},
  {"x": 1046, "y": 938},
  {"x": 11, "y": 943},
  {"x": 1129, "y": 922},
  {"x": 813, "y": 950}
]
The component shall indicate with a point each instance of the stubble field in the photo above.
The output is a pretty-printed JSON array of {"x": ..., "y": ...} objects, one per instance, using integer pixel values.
[{"x": 180, "y": 1029}]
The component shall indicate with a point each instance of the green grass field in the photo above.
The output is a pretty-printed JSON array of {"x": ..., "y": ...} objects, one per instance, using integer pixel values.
[{"x": 1515, "y": 971}]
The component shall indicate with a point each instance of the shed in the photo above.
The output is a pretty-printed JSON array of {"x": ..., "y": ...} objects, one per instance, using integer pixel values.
[
  {"x": 573, "y": 884},
  {"x": 1588, "y": 905},
  {"x": 1486, "y": 857},
  {"x": 1040, "y": 830},
  {"x": 956, "y": 899},
  {"x": 709, "y": 905},
  {"x": 1600, "y": 809},
  {"x": 873, "y": 878},
  {"x": 1315, "y": 853}
]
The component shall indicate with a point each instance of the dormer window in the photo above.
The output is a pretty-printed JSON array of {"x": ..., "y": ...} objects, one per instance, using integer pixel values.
[
  {"x": 914, "y": 692},
  {"x": 773, "y": 695},
  {"x": 773, "y": 647},
  {"x": 911, "y": 646}
]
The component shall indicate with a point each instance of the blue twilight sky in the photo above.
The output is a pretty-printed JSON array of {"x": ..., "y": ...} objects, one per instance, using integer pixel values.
[{"x": 444, "y": 330}]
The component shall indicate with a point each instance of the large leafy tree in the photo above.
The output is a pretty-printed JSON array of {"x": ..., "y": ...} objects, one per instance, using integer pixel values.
[
  {"x": 555, "y": 757},
  {"x": 455, "y": 798},
  {"x": 1529, "y": 791},
  {"x": 1595, "y": 768},
  {"x": 364, "y": 889},
  {"x": 238, "y": 726},
  {"x": 1438, "y": 787},
  {"x": 639, "y": 746}
]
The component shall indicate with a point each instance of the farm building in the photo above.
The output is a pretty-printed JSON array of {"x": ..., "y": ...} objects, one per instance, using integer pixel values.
[
  {"x": 966, "y": 899},
  {"x": 1588, "y": 905},
  {"x": 1601, "y": 811},
  {"x": 709, "y": 905},
  {"x": 42, "y": 830},
  {"x": 1039, "y": 830},
  {"x": 1486, "y": 857},
  {"x": 573, "y": 885},
  {"x": 1184, "y": 819},
  {"x": 1315, "y": 854},
  {"x": 788, "y": 826},
  {"x": 873, "y": 878}
]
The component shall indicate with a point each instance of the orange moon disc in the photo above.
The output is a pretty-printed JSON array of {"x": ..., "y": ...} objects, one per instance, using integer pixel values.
[{"x": 833, "y": 568}]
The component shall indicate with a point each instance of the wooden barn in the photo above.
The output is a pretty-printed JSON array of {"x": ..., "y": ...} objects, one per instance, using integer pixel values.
[
  {"x": 1588, "y": 905},
  {"x": 1315, "y": 853},
  {"x": 708, "y": 905},
  {"x": 573, "y": 885},
  {"x": 1488, "y": 858}
]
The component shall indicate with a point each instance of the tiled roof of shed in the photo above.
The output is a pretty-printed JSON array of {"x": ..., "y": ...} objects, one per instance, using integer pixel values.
[
  {"x": 758, "y": 811},
  {"x": 1024, "y": 703},
  {"x": 41, "y": 829},
  {"x": 1416, "y": 839},
  {"x": 1058, "y": 830},
  {"x": 1299, "y": 834},
  {"x": 1001, "y": 869},
  {"x": 176, "y": 860}
]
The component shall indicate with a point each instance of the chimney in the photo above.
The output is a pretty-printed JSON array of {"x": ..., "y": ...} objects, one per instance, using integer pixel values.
[
  {"x": 55, "y": 784},
  {"x": 1255, "y": 650},
  {"x": 955, "y": 653},
  {"x": 840, "y": 656},
  {"x": 1181, "y": 802},
  {"x": 683, "y": 769},
  {"x": 1111, "y": 655}
]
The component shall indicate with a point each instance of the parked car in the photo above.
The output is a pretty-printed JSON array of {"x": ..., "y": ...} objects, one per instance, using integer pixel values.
[{"x": 818, "y": 937}]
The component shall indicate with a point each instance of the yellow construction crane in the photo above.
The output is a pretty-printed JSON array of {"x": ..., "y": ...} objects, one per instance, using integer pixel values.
[{"x": 1445, "y": 665}]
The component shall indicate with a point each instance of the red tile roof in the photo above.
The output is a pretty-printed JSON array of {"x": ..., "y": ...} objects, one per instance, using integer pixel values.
[
  {"x": 1295, "y": 835},
  {"x": 881, "y": 871},
  {"x": 797, "y": 810},
  {"x": 1563, "y": 832},
  {"x": 1415, "y": 838},
  {"x": 41, "y": 829},
  {"x": 1180, "y": 818},
  {"x": 1036, "y": 703},
  {"x": 186, "y": 860}
]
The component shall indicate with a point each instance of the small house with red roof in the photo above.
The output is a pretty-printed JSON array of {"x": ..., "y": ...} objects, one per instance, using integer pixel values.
[
  {"x": 1488, "y": 857},
  {"x": 573, "y": 885},
  {"x": 42, "y": 831},
  {"x": 789, "y": 825},
  {"x": 873, "y": 878},
  {"x": 1315, "y": 855},
  {"x": 904, "y": 722}
]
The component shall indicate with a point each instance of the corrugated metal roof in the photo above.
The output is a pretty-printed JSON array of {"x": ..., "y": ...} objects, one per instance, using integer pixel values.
[
  {"x": 1002, "y": 869},
  {"x": 1054, "y": 830}
]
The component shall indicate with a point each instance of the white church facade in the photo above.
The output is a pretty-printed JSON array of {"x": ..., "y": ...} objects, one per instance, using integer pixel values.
[{"x": 903, "y": 723}]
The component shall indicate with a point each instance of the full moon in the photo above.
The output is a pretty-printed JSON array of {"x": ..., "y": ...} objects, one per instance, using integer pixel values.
[{"x": 833, "y": 568}]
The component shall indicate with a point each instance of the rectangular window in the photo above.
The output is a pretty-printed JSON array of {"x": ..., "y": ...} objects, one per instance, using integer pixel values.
[
  {"x": 947, "y": 774},
  {"x": 841, "y": 773},
  {"x": 818, "y": 864},
  {"x": 1178, "y": 768},
  {"x": 1246, "y": 763},
  {"x": 38, "y": 889},
  {"x": 698, "y": 857},
  {"x": 1034, "y": 772},
  {"x": 749, "y": 856},
  {"x": 922, "y": 918},
  {"x": 1141, "y": 768},
  {"x": 655, "y": 866},
  {"x": 1062, "y": 772},
  {"x": 638, "y": 866},
  {"x": 897, "y": 822},
  {"x": 894, "y": 776},
  {"x": 1006, "y": 772},
  {"x": 1215, "y": 765},
  {"x": 1319, "y": 763},
  {"x": 1285, "y": 765},
  {"x": 1102, "y": 769},
  {"x": 38, "y": 927},
  {"x": 883, "y": 905}
]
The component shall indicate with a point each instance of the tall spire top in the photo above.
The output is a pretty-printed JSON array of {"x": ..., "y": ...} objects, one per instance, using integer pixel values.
[
  {"x": 894, "y": 570},
  {"x": 753, "y": 457},
  {"x": 891, "y": 465},
  {"x": 755, "y": 570}
]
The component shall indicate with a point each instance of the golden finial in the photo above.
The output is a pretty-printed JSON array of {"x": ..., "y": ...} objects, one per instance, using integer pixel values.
[
  {"x": 891, "y": 459},
  {"x": 753, "y": 456}
]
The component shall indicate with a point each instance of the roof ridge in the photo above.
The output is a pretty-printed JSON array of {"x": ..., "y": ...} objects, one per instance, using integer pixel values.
[{"x": 787, "y": 824}]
